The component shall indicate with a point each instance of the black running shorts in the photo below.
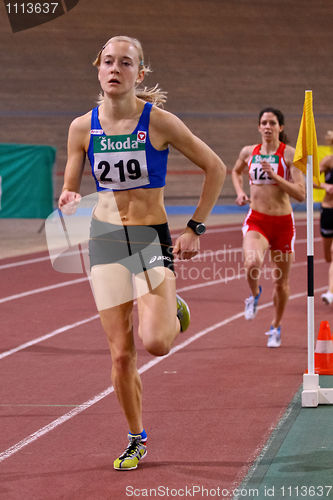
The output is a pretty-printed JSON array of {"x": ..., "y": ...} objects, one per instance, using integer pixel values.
[
  {"x": 138, "y": 248},
  {"x": 326, "y": 222}
]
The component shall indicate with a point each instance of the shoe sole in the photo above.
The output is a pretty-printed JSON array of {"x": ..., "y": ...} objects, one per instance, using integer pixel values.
[
  {"x": 277, "y": 344},
  {"x": 131, "y": 468},
  {"x": 248, "y": 318}
]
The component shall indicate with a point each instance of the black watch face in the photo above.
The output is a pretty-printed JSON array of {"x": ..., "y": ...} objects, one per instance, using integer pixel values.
[{"x": 200, "y": 229}]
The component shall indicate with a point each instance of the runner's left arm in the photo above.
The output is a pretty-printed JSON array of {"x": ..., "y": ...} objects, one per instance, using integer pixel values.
[{"x": 181, "y": 138}]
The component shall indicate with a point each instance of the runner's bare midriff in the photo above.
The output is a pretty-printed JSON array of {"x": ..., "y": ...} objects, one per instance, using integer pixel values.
[
  {"x": 270, "y": 200},
  {"x": 132, "y": 207},
  {"x": 327, "y": 201}
]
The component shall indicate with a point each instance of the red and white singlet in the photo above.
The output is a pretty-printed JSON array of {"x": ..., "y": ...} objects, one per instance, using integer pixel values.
[{"x": 276, "y": 160}]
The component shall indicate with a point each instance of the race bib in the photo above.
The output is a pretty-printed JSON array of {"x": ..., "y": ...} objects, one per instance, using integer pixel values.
[
  {"x": 257, "y": 174},
  {"x": 120, "y": 161}
]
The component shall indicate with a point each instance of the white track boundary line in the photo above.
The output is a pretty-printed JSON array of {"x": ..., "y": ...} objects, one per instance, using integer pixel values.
[
  {"x": 47, "y": 336},
  {"x": 196, "y": 259},
  {"x": 24, "y": 262},
  {"x": 260, "y": 451},
  {"x": 76, "y": 411},
  {"x": 91, "y": 318},
  {"x": 36, "y": 260},
  {"x": 41, "y": 290},
  {"x": 174, "y": 233}
]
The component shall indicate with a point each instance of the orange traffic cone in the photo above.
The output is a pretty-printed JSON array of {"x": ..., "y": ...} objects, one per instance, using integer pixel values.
[{"x": 324, "y": 350}]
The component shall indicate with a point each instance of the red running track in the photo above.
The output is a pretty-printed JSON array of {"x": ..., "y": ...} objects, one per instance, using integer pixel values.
[{"x": 209, "y": 406}]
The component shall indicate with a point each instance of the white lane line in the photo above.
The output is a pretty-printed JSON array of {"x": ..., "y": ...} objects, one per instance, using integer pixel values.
[
  {"x": 173, "y": 233},
  {"x": 47, "y": 336},
  {"x": 52, "y": 425},
  {"x": 147, "y": 366},
  {"x": 74, "y": 325},
  {"x": 41, "y": 290},
  {"x": 205, "y": 255},
  {"x": 24, "y": 262},
  {"x": 13, "y": 405},
  {"x": 87, "y": 320},
  {"x": 36, "y": 260}
]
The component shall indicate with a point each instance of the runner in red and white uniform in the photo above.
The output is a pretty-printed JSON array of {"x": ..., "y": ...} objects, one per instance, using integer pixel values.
[{"x": 269, "y": 223}]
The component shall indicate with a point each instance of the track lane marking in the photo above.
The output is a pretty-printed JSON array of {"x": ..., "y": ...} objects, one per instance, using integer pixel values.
[
  {"x": 41, "y": 290},
  {"x": 174, "y": 233},
  {"x": 96, "y": 316},
  {"x": 47, "y": 336},
  {"x": 147, "y": 366},
  {"x": 81, "y": 280}
]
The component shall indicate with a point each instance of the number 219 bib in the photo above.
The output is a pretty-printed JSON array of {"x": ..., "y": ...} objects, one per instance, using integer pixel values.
[{"x": 120, "y": 161}]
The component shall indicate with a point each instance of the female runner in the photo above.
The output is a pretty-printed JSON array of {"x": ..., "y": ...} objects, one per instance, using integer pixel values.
[
  {"x": 269, "y": 223},
  {"x": 126, "y": 139}
]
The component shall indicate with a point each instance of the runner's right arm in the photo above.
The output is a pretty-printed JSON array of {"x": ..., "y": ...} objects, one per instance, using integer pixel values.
[
  {"x": 76, "y": 154},
  {"x": 237, "y": 176}
]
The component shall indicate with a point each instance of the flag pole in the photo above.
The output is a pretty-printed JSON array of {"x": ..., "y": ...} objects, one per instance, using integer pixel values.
[
  {"x": 310, "y": 252},
  {"x": 306, "y": 159}
]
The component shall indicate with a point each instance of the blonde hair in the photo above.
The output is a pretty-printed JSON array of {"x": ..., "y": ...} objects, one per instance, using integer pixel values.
[{"x": 154, "y": 95}]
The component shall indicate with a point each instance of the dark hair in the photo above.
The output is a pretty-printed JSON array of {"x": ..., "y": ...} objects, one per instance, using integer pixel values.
[{"x": 279, "y": 115}]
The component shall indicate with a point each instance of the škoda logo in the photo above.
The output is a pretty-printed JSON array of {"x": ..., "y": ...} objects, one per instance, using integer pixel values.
[{"x": 26, "y": 15}]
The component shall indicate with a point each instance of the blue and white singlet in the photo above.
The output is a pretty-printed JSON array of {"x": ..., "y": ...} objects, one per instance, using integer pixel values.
[{"x": 121, "y": 162}]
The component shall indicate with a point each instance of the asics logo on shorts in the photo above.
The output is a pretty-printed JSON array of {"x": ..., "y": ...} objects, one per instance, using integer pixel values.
[{"x": 159, "y": 257}]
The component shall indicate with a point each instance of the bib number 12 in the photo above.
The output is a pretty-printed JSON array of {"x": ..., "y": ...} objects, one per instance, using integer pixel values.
[{"x": 260, "y": 175}]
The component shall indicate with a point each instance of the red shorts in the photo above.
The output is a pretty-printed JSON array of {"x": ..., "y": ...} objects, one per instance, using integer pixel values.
[{"x": 279, "y": 230}]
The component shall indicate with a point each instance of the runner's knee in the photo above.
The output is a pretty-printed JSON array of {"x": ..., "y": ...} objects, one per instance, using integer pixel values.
[
  {"x": 253, "y": 260},
  {"x": 157, "y": 345},
  {"x": 123, "y": 361},
  {"x": 282, "y": 287}
]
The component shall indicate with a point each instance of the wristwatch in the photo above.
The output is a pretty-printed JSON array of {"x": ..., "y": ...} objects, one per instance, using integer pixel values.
[{"x": 198, "y": 227}]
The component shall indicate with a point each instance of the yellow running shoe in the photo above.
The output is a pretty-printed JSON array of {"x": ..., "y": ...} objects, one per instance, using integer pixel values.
[
  {"x": 134, "y": 452},
  {"x": 183, "y": 313}
]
